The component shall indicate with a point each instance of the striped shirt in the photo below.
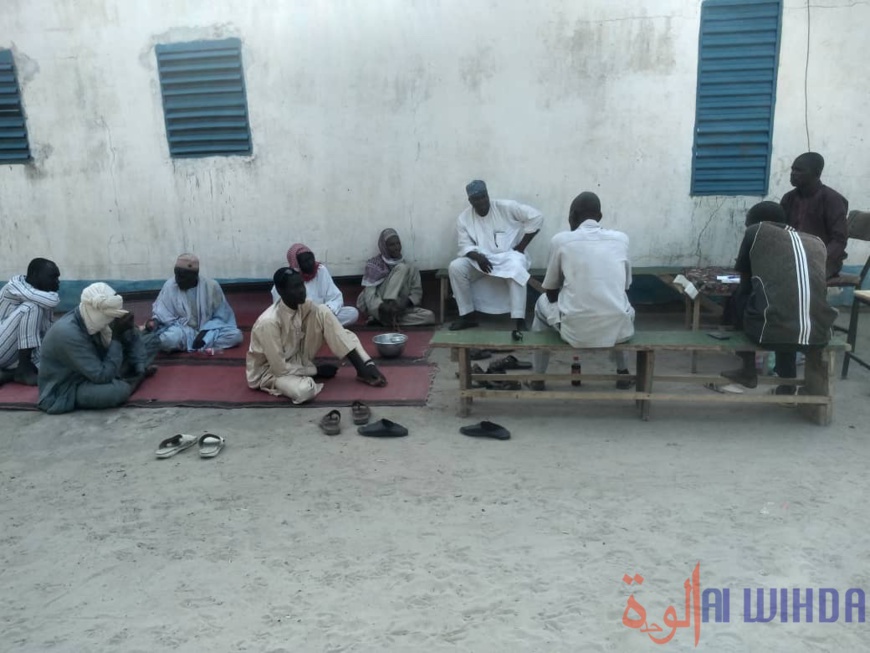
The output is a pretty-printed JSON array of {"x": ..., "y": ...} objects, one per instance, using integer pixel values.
[
  {"x": 25, "y": 315},
  {"x": 787, "y": 303}
]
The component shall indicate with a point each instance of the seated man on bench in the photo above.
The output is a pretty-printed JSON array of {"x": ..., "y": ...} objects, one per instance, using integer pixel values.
[
  {"x": 587, "y": 276},
  {"x": 493, "y": 236},
  {"x": 782, "y": 299}
]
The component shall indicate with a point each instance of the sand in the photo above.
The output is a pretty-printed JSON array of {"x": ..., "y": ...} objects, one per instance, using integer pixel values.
[{"x": 293, "y": 541}]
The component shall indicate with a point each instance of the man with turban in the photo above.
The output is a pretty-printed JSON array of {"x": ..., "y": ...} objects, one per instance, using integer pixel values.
[
  {"x": 392, "y": 289},
  {"x": 286, "y": 337},
  {"x": 492, "y": 270},
  {"x": 26, "y": 305},
  {"x": 92, "y": 357},
  {"x": 319, "y": 286},
  {"x": 192, "y": 313}
]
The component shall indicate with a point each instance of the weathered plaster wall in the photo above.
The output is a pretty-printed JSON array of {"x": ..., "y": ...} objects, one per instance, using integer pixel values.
[{"x": 373, "y": 114}]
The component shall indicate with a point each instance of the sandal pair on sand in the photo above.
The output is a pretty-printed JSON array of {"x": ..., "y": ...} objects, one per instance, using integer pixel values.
[
  {"x": 361, "y": 414},
  {"x": 210, "y": 445}
]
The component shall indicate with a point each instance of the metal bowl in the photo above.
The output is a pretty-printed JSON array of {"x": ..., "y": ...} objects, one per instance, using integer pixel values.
[{"x": 390, "y": 345}]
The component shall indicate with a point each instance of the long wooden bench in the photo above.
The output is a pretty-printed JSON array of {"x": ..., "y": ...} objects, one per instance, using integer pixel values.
[
  {"x": 664, "y": 272},
  {"x": 815, "y": 398}
]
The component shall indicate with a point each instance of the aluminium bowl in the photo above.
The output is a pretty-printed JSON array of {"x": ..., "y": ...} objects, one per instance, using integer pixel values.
[{"x": 390, "y": 345}]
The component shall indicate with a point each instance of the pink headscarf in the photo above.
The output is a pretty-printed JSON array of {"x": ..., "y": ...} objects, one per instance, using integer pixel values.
[{"x": 293, "y": 260}]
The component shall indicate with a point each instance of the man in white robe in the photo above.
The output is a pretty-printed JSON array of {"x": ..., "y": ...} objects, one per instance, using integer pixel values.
[
  {"x": 192, "y": 313},
  {"x": 319, "y": 285},
  {"x": 491, "y": 272},
  {"x": 588, "y": 274}
]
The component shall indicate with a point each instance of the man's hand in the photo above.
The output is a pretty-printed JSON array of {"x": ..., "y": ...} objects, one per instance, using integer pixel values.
[
  {"x": 121, "y": 325},
  {"x": 481, "y": 260}
]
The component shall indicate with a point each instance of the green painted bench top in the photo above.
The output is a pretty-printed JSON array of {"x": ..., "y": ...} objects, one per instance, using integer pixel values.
[{"x": 676, "y": 340}]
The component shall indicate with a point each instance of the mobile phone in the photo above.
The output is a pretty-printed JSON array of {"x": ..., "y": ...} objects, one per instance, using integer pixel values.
[{"x": 719, "y": 335}]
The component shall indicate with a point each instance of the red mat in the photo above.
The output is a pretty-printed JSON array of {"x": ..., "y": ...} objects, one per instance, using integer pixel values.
[
  {"x": 225, "y": 387},
  {"x": 416, "y": 350}
]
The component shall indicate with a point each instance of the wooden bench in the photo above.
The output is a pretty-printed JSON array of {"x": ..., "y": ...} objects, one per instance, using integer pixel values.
[
  {"x": 664, "y": 272},
  {"x": 815, "y": 400}
]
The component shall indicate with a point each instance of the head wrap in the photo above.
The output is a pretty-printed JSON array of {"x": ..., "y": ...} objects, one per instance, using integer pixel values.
[
  {"x": 293, "y": 260},
  {"x": 378, "y": 267},
  {"x": 187, "y": 262},
  {"x": 476, "y": 187},
  {"x": 99, "y": 306}
]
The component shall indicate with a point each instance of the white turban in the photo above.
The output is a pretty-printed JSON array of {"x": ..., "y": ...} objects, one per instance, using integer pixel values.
[{"x": 99, "y": 306}]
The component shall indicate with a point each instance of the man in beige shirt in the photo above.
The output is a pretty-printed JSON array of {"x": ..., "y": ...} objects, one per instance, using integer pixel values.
[{"x": 286, "y": 338}]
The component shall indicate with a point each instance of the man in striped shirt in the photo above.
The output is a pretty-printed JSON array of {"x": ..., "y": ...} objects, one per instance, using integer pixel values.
[
  {"x": 26, "y": 305},
  {"x": 783, "y": 296}
]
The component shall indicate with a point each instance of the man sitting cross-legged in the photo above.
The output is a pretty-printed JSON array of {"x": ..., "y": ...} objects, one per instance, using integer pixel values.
[
  {"x": 92, "y": 357},
  {"x": 392, "y": 286},
  {"x": 782, "y": 299},
  {"x": 26, "y": 304},
  {"x": 286, "y": 338},
  {"x": 191, "y": 312},
  {"x": 587, "y": 276}
]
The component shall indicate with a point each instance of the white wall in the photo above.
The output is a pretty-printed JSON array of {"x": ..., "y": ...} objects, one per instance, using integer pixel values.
[{"x": 373, "y": 114}]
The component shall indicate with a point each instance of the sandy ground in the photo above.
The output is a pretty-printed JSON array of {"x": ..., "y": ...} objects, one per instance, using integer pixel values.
[{"x": 292, "y": 541}]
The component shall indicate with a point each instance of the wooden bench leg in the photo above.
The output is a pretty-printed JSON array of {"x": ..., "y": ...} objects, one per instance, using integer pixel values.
[
  {"x": 819, "y": 381},
  {"x": 464, "y": 381},
  {"x": 443, "y": 298},
  {"x": 645, "y": 367},
  {"x": 696, "y": 324}
]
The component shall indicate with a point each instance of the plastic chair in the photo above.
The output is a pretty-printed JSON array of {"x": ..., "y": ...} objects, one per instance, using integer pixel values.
[{"x": 859, "y": 229}]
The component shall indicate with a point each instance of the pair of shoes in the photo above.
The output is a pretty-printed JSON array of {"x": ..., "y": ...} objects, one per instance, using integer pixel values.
[
  {"x": 537, "y": 386},
  {"x": 486, "y": 429},
  {"x": 330, "y": 423},
  {"x": 624, "y": 385},
  {"x": 210, "y": 445},
  {"x": 509, "y": 362}
]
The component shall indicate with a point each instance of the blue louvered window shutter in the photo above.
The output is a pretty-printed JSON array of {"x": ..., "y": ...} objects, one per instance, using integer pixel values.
[
  {"x": 737, "y": 65},
  {"x": 14, "y": 147},
  {"x": 204, "y": 101}
]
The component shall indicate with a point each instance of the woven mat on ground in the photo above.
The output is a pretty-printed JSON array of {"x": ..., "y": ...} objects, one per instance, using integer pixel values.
[{"x": 224, "y": 386}]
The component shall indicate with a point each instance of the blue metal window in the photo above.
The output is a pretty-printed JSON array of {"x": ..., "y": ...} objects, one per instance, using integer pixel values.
[
  {"x": 204, "y": 101},
  {"x": 737, "y": 64},
  {"x": 13, "y": 129}
]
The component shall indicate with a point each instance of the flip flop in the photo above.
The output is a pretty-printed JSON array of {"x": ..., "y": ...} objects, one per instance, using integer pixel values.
[
  {"x": 486, "y": 429},
  {"x": 360, "y": 412},
  {"x": 383, "y": 428},
  {"x": 176, "y": 444},
  {"x": 331, "y": 423},
  {"x": 210, "y": 445}
]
